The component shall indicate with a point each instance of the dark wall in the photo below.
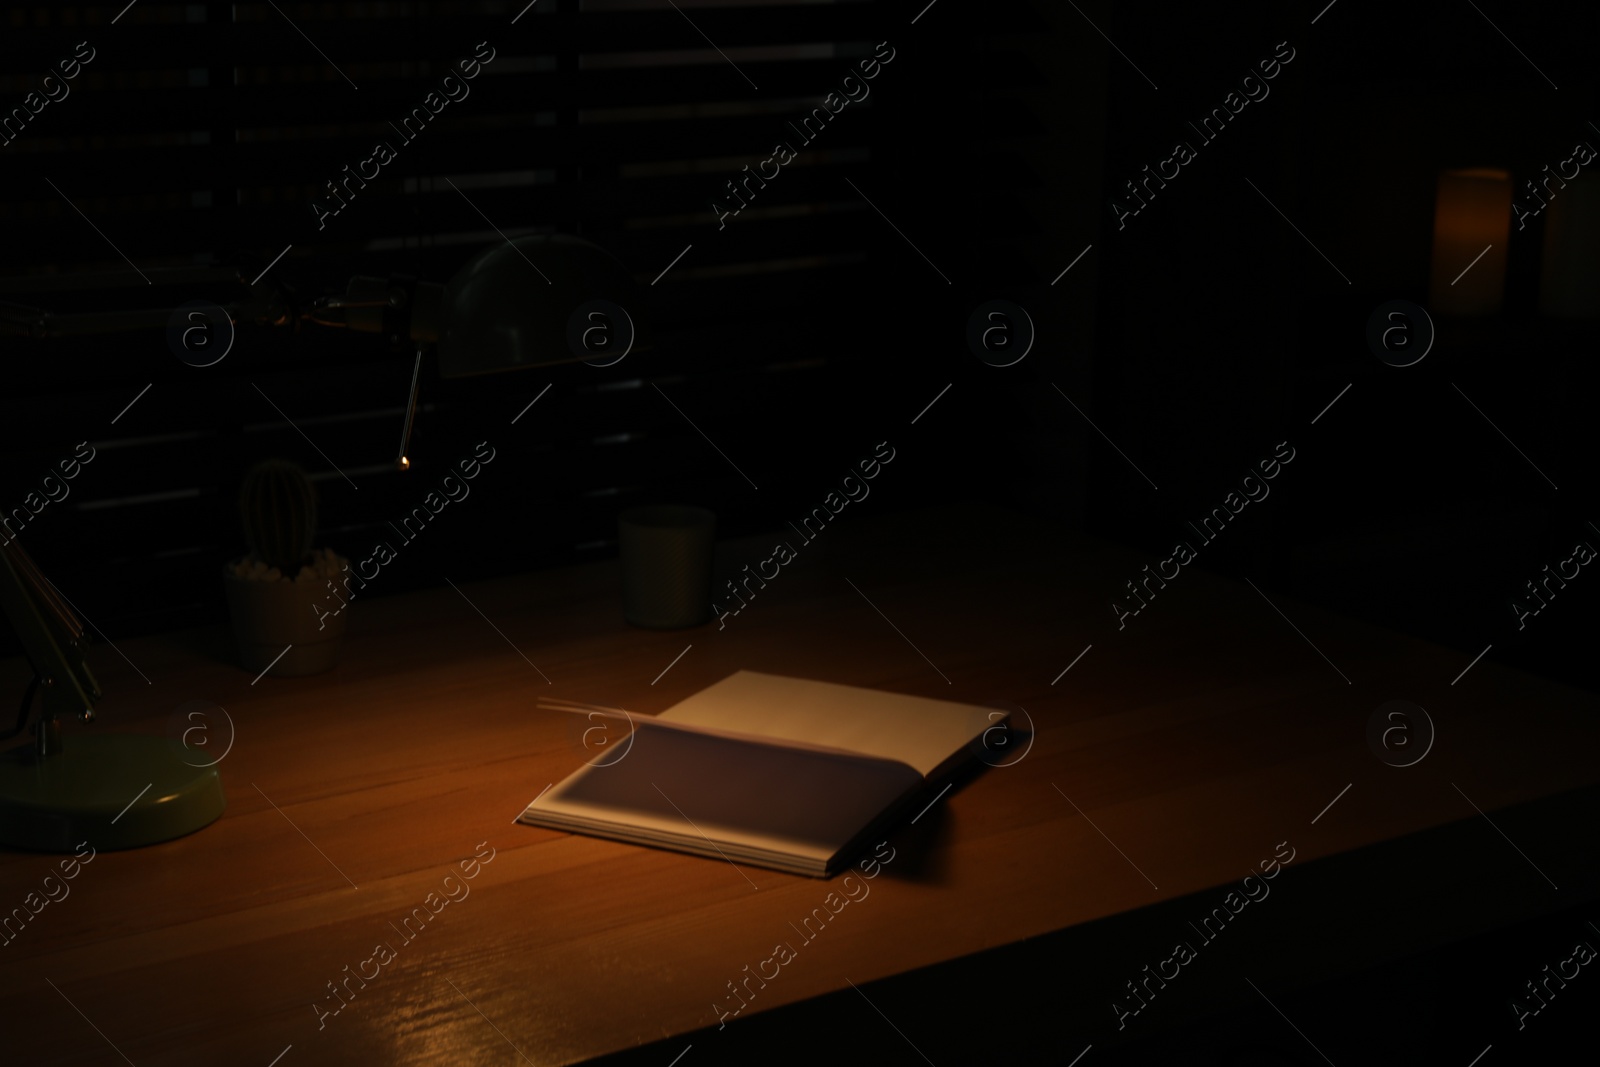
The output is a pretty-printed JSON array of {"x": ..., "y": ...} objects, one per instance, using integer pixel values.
[
  {"x": 785, "y": 342},
  {"x": 1223, "y": 331},
  {"x": 1182, "y": 346}
]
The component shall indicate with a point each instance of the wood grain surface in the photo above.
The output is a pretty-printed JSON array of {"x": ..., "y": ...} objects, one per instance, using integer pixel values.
[{"x": 1171, "y": 758}]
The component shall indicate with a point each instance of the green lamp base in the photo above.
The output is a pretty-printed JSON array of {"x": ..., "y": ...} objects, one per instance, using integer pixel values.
[{"x": 111, "y": 790}]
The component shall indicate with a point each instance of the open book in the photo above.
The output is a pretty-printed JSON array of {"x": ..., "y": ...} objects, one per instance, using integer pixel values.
[{"x": 775, "y": 772}]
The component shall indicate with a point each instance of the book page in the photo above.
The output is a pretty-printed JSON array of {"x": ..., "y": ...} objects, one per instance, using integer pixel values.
[
  {"x": 745, "y": 795},
  {"x": 918, "y": 731}
]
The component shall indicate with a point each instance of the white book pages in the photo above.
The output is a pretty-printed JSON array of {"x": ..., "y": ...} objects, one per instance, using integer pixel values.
[{"x": 918, "y": 731}]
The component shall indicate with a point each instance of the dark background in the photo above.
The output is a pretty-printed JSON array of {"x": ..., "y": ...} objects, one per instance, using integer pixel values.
[{"x": 810, "y": 329}]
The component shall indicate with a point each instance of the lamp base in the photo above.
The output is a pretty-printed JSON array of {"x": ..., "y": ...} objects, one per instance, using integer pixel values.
[{"x": 111, "y": 790}]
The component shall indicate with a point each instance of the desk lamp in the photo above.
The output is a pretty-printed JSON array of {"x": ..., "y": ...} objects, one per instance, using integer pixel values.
[
  {"x": 111, "y": 790},
  {"x": 529, "y": 302}
]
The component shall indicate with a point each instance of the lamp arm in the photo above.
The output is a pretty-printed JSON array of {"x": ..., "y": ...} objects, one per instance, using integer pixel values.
[
  {"x": 22, "y": 714},
  {"x": 52, "y": 639}
]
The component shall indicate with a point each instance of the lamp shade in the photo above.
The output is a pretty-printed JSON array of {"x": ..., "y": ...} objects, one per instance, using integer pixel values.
[
  {"x": 527, "y": 301},
  {"x": 1471, "y": 224}
]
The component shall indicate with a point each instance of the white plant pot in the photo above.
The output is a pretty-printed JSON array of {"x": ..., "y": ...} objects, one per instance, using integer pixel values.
[{"x": 269, "y": 616}]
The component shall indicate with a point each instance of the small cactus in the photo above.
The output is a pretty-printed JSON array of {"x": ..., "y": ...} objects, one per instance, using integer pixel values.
[{"x": 278, "y": 507}]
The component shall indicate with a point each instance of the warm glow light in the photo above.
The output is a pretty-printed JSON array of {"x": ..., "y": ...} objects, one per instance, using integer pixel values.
[
  {"x": 405, "y": 464},
  {"x": 1471, "y": 226}
]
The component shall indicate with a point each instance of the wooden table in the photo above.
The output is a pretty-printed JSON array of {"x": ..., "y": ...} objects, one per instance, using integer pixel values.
[{"x": 1172, "y": 758}]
